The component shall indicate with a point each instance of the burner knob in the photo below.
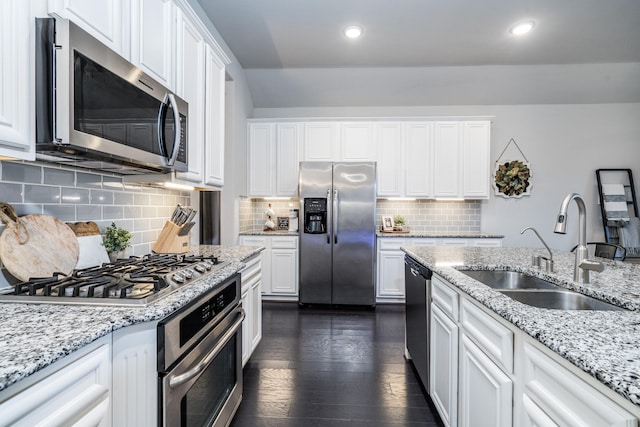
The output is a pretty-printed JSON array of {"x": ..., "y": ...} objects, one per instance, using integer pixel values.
[
  {"x": 178, "y": 277},
  {"x": 188, "y": 273},
  {"x": 208, "y": 265},
  {"x": 200, "y": 268}
]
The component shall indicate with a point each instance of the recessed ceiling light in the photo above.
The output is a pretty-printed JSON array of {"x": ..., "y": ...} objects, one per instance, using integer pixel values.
[
  {"x": 353, "y": 31},
  {"x": 522, "y": 28}
]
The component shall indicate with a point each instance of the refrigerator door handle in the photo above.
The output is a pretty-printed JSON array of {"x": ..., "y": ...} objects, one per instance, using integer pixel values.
[
  {"x": 329, "y": 220},
  {"x": 335, "y": 216}
]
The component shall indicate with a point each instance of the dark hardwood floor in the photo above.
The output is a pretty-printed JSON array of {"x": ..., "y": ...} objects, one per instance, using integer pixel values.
[{"x": 320, "y": 367}]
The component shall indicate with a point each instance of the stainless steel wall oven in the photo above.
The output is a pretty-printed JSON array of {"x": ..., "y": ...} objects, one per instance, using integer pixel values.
[{"x": 200, "y": 360}]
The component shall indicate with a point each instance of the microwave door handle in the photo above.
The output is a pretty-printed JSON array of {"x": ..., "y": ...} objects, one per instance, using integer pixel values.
[
  {"x": 178, "y": 130},
  {"x": 54, "y": 96},
  {"x": 161, "y": 122}
]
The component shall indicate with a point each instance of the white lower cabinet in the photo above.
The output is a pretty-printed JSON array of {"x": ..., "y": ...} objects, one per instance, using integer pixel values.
[
  {"x": 443, "y": 368},
  {"x": 251, "y": 299},
  {"x": 485, "y": 391},
  {"x": 74, "y": 391},
  {"x": 551, "y": 393},
  {"x": 279, "y": 265},
  {"x": 135, "y": 376},
  {"x": 486, "y": 372}
]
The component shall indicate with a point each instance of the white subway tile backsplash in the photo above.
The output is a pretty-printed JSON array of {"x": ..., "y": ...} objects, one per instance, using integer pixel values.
[
  {"x": 22, "y": 173},
  {"x": 41, "y": 194},
  {"x": 77, "y": 195},
  {"x": 59, "y": 177}
]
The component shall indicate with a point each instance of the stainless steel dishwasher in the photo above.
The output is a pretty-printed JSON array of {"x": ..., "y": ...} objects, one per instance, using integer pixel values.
[{"x": 417, "y": 280}]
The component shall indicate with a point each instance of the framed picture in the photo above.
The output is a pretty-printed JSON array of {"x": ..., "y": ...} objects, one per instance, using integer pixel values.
[{"x": 387, "y": 223}]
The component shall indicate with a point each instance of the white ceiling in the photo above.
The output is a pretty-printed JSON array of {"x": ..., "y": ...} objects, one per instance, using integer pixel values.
[{"x": 433, "y": 52}]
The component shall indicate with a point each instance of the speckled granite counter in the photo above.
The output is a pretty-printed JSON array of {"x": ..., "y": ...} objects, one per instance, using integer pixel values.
[
  {"x": 270, "y": 233},
  {"x": 33, "y": 336},
  {"x": 442, "y": 235},
  {"x": 605, "y": 344}
]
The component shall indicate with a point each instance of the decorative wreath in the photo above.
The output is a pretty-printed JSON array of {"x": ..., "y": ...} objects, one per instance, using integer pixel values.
[{"x": 512, "y": 178}]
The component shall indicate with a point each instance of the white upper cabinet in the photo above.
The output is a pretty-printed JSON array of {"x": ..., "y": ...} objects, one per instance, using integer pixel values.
[
  {"x": 446, "y": 159},
  {"x": 274, "y": 158},
  {"x": 260, "y": 164},
  {"x": 321, "y": 141},
  {"x": 214, "y": 118},
  {"x": 390, "y": 159},
  {"x": 357, "y": 142},
  {"x": 103, "y": 19},
  {"x": 476, "y": 163},
  {"x": 190, "y": 81},
  {"x": 17, "y": 119},
  {"x": 288, "y": 143},
  {"x": 419, "y": 159},
  {"x": 153, "y": 38}
]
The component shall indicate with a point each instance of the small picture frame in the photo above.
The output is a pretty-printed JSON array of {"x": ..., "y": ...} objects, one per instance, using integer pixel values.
[
  {"x": 283, "y": 223},
  {"x": 387, "y": 223}
]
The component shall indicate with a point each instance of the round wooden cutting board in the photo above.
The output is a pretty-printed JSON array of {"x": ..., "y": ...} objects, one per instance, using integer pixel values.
[{"x": 36, "y": 245}]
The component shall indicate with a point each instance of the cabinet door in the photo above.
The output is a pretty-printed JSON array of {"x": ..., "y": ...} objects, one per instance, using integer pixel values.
[
  {"x": 260, "y": 167},
  {"x": 284, "y": 271},
  {"x": 447, "y": 151},
  {"x": 153, "y": 39},
  {"x": 247, "y": 305},
  {"x": 475, "y": 159},
  {"x": 321, "y": 141},
  {"x": 77, "y": 394},
  {"x": 443, "y": 366},
  {"x": 390, "y": 274},
  {"x": 103, "y": 19},
  {"x": 190, "y": 81},
  {"x": 16, "y": 81},
  {"x": 256, "y": 315},
  {"x": 357, "y": 142},
  {"x": 214, "y": 118},
  {"x": 419, "y": 160},
  {"x": 565, "y": 398},
  {"x": 390, "y": 155},
  {"x": 288, "y": 147},
  {"x": 485, "y": 392}
]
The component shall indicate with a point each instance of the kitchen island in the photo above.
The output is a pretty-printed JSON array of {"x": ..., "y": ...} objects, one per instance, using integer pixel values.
[
  {"x": 605, "y": 345},
  {"x": 34, "y": 336}
]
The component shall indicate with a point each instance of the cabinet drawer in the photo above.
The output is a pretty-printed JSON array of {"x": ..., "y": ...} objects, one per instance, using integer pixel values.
[
  {"x": 495, "y": 339},
  {"x": 390, "y": 244},
  {"x": 444, "y": 297},
  {"x": 253, "y": 268},
  {"x": 564, "y": 397},
  {"x": 284, "y": 243}
]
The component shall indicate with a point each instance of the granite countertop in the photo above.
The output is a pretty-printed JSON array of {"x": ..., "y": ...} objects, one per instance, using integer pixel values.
[
  {"x": 441, "y": 235},
  {"x": 604, "y": 344},
  {"x": 33, "y": 336},
  {"x": 270, "y": 233}
]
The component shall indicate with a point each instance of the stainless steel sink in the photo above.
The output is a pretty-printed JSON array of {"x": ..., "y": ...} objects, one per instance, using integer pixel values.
[
  {"x": 537, "y": 292},
  {"x": 500, "y": 279},
  {"x": 559, "y": 300}
]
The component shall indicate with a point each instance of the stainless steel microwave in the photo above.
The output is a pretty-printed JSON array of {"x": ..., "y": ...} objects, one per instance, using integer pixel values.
[{"x": 96, "y": 110}]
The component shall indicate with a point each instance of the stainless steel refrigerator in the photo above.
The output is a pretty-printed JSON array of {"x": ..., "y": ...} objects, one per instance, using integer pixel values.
[{"x": 337, "y": 233}]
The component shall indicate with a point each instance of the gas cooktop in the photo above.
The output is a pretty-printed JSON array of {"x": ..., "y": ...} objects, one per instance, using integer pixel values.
[{"x": 131, "y": 281}]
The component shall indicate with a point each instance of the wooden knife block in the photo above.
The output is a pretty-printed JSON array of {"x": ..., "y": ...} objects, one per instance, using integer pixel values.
[{"x": 169, "y": 242}]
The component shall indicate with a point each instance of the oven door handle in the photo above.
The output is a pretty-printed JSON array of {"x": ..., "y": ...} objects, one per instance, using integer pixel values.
[{"x": 177, "y": 380}]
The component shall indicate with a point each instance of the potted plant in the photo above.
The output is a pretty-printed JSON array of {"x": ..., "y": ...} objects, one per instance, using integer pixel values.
[
  {"x": 399, "y": 223},
  {"x": 115, "y": 241}
]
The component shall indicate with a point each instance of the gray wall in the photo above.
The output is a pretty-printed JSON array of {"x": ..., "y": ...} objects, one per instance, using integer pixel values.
[{"x": 564, "y": 143}]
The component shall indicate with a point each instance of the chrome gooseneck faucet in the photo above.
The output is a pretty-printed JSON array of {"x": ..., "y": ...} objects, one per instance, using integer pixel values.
[
  {"x": 536, "y": 258},
  {"x": 583, "y": 264}
]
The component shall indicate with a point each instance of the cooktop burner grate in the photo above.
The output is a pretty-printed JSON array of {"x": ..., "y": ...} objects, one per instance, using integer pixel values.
[{"x": 130, "y": 281}]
